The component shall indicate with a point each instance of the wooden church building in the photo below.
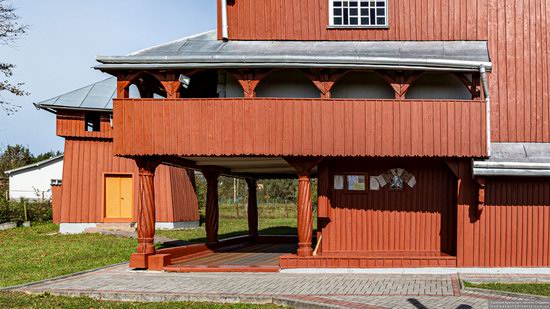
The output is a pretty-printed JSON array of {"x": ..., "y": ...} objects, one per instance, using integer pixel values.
[
  {"x": 426, "y": 122},
  {"x": 98, "y": 188}
]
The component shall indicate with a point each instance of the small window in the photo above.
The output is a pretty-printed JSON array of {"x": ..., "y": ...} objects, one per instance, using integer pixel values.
[
  {"x": 93, "y": 122},
  {"x": 359, "y": 13},
  {"x": 55, "y": 182}
]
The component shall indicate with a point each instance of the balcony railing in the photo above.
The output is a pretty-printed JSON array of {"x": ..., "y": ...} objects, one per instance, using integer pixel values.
[{"x": 300, "y": 127}]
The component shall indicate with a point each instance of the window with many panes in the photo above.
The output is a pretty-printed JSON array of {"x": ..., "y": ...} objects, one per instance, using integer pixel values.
[{"x": 359, "y": 13}]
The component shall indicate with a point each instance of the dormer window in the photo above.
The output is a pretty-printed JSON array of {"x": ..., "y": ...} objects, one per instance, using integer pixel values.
[{"x": 364, "y": 14}]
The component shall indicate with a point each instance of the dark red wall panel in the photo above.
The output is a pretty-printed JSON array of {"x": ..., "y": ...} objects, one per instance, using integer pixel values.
[{"x": 300, "y": 127}]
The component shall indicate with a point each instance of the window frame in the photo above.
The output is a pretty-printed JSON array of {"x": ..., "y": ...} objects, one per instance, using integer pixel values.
[
  {"x": 331, "y": 24},
  {"x": 92, "y": 121},
  {"x": 346, "y": 189}
]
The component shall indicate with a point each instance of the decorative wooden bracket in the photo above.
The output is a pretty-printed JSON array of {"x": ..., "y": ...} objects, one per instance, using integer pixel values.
[
  {"x": 399, "y": 81},
  {"x": 124, "y": 80},
  {"x": 303, "y": 166},
  {"x": 480, "y": 196},
  {"x": 168, "y": 80},
  {"x": 324, "y": 80},
  {"x": 473, "y": 85},
  {"x": 249, "y": 80}
]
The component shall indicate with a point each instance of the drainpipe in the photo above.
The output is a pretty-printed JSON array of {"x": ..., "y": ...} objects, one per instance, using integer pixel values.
[
  {"x": 225, "y": 27},
  {"x": 485, "y": 85}
]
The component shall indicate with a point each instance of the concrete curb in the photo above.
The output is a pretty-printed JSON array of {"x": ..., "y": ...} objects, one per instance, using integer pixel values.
[
  {"x": 504, "y": 293},
  {"x": 80, "y": 273},
  {"x": 303, "y": 304}
]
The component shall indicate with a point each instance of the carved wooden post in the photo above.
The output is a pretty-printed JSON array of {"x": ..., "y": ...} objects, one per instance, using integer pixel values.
[
  {"x": 252, "y": 207},
  {"x": 303, "y": 167},
  {"x": 146, "y": 213},
  {"x": 212, "y": 207}
]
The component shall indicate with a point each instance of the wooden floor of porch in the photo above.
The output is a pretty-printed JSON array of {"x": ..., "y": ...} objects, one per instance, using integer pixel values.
[{"x": 248, "y": 257}]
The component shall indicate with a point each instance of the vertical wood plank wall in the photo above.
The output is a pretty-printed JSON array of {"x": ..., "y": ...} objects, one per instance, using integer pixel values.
[
  {"x": 420, "y": 219},
  {"x": 57, "y": 195},
  {"x": 514, "y": 228},
  {"x": 517, "y": 32},
  {"x": 86, "y": 162}
]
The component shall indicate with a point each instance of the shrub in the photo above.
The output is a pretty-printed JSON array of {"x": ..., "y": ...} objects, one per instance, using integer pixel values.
[{"x": 13, "y": 211}]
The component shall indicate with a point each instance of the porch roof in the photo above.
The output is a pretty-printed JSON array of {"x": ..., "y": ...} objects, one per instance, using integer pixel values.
[
  {"x": 515, "y": 159},
  {"x": 206, "y": 51}
]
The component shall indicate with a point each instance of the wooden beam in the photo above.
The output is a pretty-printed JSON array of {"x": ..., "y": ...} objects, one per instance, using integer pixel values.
[{"x": 212, "y": 206}]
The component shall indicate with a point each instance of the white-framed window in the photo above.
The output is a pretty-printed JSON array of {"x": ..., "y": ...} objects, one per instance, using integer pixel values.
[{"x": 367, "y": 14}]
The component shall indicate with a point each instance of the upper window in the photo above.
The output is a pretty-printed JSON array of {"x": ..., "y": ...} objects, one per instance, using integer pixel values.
[
  {"x": 92, "y": 122},
  {"x": 359, "y": 13}
]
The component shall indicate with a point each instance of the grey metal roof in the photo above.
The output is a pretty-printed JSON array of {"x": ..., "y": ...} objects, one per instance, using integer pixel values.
[
  {"x": 206, "y": 51},
  {"x": 515, "y": 159},
  {"x": 37, "y": 164},
  {"x": 98, "y": 96}
]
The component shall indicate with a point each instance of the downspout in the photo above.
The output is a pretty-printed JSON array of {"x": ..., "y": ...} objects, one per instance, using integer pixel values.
[
  {"x": 225, "y": 27},
  {"x": 487, "y": 96}
]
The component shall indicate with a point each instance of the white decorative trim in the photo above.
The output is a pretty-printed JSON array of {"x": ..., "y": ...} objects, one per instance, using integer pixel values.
[
  {"x": 423, "y": 271},
  {"x": 176, "y": 225},
  {"x": 75, "y": 228}
]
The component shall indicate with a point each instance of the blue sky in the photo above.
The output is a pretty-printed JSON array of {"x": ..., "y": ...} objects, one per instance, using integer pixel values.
[{"x": 64, "y": 38}]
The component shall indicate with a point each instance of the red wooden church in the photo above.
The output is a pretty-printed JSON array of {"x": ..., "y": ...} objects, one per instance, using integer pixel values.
[{"x": 426, "y": 122}]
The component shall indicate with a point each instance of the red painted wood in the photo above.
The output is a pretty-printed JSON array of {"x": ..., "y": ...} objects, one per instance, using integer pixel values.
[
  {"x": 86, "y": 162},
  {"x": 286, "y": 127},
  {"x": 57, "y": 193}
]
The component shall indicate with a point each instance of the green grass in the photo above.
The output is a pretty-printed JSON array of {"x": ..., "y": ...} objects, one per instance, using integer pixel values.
[
  {"x": 277, "y": 219},
  {"x": 524, "y": 288},
  {"x": 36, "y": 253},
  {"x": 11, "y": 300}
]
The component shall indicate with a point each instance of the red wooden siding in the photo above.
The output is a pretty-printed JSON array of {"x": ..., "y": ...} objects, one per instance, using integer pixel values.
[
  {"x": 514, "y": 228},
  {"x": 85, "y": 164},
  {"x": 296, "y": 127},
  {"x": 415, "y": 220},
  {"x": 408, "y": 20},
  {"x": 517, "y": 32},
  {"x": 57, "y": 192},
  {"x": 72, "y": 124}
]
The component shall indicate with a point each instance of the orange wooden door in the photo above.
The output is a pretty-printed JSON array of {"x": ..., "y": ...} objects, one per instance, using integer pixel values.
[{"x": 118, "y": 197}]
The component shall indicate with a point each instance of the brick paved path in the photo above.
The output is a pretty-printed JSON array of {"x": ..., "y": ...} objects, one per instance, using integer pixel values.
[{"x": 336, "y": 290}]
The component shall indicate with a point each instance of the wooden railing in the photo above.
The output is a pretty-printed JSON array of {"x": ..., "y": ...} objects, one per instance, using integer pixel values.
[{"x": 300, "y": 127}]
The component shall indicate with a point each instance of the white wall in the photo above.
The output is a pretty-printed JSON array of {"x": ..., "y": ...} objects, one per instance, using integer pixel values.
[
  {"x": 438, "y": 86},
  {"x": 32, "y": 182},
  {"x": 362, "y": 85}
]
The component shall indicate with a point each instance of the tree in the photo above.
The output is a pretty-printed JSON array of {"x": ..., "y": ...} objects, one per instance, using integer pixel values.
[
  {"x": 10, "y": 31},
  {"x": 13, "y": 157}
]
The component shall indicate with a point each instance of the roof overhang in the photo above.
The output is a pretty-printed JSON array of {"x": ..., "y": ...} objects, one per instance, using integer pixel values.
[
  {"x": 205, "y": 51},
  {"x": 37, "y": 164},
  {"x": 515, "y": 159}
]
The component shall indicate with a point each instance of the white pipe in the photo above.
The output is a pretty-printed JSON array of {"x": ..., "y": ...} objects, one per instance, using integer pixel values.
[
  {"x": 487, "y": 95},
  {"x": 225, "y": 27}
]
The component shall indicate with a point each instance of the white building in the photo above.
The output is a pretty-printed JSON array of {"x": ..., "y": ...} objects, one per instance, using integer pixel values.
[{"x": 34, "y": 182}]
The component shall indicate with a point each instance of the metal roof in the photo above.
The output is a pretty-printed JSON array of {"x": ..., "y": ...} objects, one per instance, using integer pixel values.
[
  {"x": 206, "y": 51},
  {"x": 37, "y": 164},
  {"x": 98, "y": 96},
  {"x": 515, "y": 159}
]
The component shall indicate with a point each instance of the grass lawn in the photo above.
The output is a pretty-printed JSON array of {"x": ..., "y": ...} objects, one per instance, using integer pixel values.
[
  {"x": 11, "y": 300},
  {"x": 31, "y": 254},
  {"x": 524, "y": 288}
]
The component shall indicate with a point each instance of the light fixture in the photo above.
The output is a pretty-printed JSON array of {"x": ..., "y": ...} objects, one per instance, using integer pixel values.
[{"x": 185, "y": 80}]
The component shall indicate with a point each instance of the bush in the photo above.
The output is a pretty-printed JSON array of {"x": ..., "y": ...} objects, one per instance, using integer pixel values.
[{"x": 12, "y": 211}]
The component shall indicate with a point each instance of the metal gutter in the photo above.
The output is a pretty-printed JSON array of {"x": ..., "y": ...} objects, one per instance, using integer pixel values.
[
  {"x": 225, "y": 24},
  {"x": 518, "y": 169},
  {"x": 54, "y": 108},
  {"x": 486, "y": 93},
  {"x": 511, "y": 172}
]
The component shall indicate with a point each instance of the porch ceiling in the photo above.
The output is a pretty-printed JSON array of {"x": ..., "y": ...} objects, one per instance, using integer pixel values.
[{"x": 269, "y": 167}]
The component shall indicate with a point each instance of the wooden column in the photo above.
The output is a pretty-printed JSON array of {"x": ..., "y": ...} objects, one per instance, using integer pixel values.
[
  {"x": 212, "y": 207},
  {"x": 303, "y": 167},
  {"x": 252, "y": 207},
  {"x": 146, "y": 213}
]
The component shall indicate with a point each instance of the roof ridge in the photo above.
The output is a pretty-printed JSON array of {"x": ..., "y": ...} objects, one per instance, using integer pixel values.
[{"x": 37, "y": 164}]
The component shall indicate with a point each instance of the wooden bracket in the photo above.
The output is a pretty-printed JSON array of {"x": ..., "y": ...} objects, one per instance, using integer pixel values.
[
  {"x": 399, "y": 81},
  {"x": 473, "y": 85},
  {"x": 303, "y": 166},
  {"x": 249, "y": 80},
  {"x": 324, "y": 80}
]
